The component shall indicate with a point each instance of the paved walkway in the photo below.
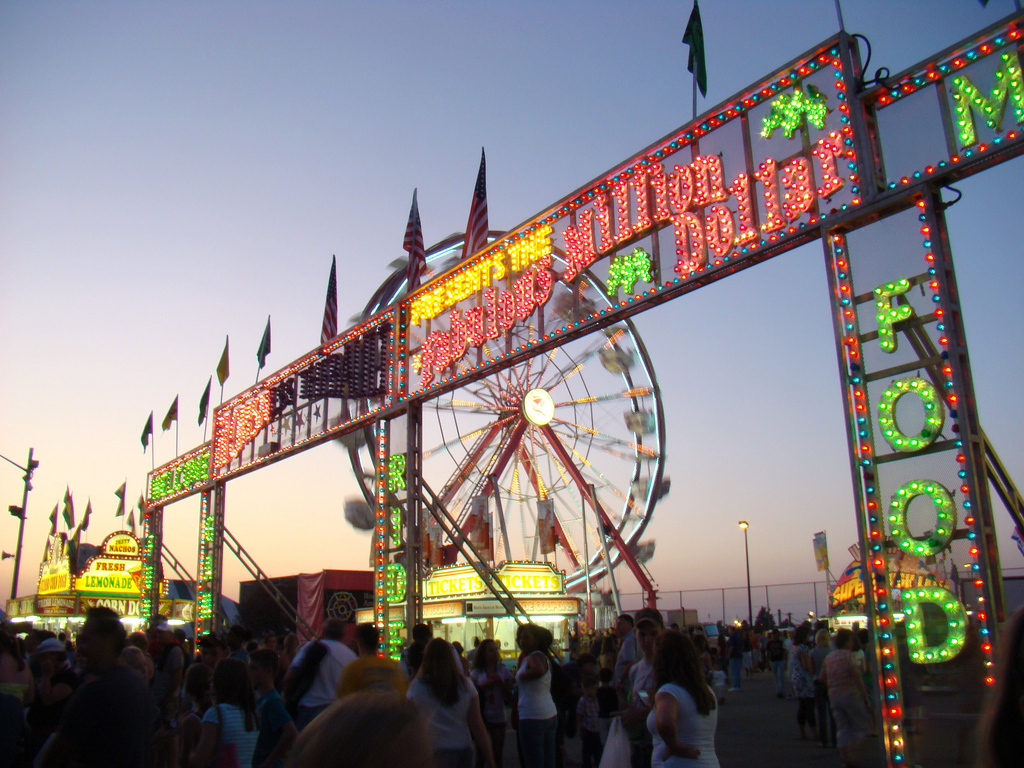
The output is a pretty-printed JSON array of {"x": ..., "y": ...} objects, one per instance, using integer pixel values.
[{"x": 755, "y": 730}]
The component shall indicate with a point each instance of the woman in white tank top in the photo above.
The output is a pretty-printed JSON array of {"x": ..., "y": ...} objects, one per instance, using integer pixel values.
[{"x": 538, "y": 717}]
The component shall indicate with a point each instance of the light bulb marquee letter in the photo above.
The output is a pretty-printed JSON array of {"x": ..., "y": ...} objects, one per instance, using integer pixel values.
[
  {"x": 970, "y": 101},
  {"x": 956, "y": 624}
]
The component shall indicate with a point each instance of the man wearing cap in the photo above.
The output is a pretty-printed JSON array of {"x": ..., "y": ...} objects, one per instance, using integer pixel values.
[
  {"x": 108, "y": 720},
  {"x": 54, "y": 686}
]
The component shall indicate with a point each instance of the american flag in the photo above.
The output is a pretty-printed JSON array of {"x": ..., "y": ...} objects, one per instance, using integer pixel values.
[
  {"x": 476, "y": 228},
  {"x": 330, "y": 326},
  {"x": 414, "y": 245}
]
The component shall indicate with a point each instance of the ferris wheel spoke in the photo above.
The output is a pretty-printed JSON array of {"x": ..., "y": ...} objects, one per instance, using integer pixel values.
[
  {"x": 628, "y": 394},
  {"x": 465, "y": 468},
  {"x": 585, "y": 358},
  {"x": 610, "y": 440},
  {"x": 427, "y": 452},
  {"x": 467, "y": 406}
]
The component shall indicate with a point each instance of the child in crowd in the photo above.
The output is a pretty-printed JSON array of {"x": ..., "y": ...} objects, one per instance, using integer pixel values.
[
  {"x": 277, "y": 731},
  {"x": 607, "y": 702},
  {"x": 587, "y": 719},
  {"x": 718, "y": 679}
]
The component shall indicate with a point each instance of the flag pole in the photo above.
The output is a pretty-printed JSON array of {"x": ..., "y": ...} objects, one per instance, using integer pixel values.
[
  {"x": 839, "y": 13},
  {"x": 694, "y": 115}
]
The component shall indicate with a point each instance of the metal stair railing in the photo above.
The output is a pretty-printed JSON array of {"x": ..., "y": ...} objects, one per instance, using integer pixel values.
[
  {"x": 264, "y": 581},
  {"x": 177, "y": 567},
  {"x": 487, "y": 574},
  {"x": 1002, "y": 482}
]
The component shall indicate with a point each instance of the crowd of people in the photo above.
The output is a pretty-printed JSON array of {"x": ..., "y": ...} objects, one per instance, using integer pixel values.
[{"x": 648, "y": 695}]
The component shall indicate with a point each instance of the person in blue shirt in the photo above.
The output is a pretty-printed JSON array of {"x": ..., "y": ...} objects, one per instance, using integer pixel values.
[{"x": 277, "y": 731}]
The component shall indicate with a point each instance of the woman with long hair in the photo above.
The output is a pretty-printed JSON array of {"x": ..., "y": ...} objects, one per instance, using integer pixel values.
[
  {"x": 230, "y": 724},
  {"x": 448, "y": 702},
  {"x": 801, "y": 675},
  {"x": 848, "y": 698},
  {"x": 494, "y": 682},
  {"x": 538, "y": 715},
  {"x": 685, "y": 710}
]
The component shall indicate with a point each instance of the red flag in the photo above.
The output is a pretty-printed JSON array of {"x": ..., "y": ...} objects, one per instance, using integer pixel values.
[
  {"x": 330, "y": 326},
  {"x": 414, "y": 245},
  {"x": 546, "y": 525},
  {"x": 476, "y": 228}
]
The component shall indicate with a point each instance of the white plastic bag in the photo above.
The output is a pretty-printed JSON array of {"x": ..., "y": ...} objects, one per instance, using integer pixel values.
[{"x": 616, "y": 747}]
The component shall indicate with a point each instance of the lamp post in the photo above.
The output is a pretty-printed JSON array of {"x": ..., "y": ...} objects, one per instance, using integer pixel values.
[
  {"x": 19, "y": 512},
  {"x": 746, "y": 549}
]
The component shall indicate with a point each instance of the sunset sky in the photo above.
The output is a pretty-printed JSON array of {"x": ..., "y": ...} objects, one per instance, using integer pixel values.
[{"x": 173, "y": 172}]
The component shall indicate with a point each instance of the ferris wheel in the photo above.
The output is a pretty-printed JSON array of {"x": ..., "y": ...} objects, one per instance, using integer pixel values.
[{"x": 545, "y": 440}]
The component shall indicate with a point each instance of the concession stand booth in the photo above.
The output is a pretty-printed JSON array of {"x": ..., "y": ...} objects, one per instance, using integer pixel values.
[
  {"x": 459, "y": 607},
  {"x": 110, "y": 575}
]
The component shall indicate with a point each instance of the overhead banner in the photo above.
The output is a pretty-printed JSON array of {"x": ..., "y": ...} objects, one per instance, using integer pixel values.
[
  {"x": 821, "y": 551},
  {"x": 755, "y": 174}
]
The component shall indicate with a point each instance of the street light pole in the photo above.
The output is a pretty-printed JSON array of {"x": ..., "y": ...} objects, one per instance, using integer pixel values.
[
  {"x": 746, "y": 549},
  {"x": 28, "y": 470}
]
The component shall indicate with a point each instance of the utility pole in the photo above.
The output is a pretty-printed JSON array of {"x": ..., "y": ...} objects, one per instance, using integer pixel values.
[{"x": 19, "y": 512}]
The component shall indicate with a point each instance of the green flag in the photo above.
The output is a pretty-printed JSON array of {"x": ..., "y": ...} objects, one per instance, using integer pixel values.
[
  {"x": 147, "y": 432},
  {"x": 53, "y": 520},
  {"x": 172, "y": 415},
  {"x": 69, "y": 509},
  {"x": 73, "y": 544},
  {"x": 204, "y": 402},
  {"x": 223, "y": 367},
  {"x": 85, "y": 520},
  {"x": 131, "y": 520},
  {"x": 694, "y": 37},
  {"x": 120, "y": 499},
  {"x": 264, "y": 350}
]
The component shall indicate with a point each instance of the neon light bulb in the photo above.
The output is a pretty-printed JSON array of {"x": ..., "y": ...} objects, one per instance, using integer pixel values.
[
  {"x": 660, "y": 183},
  {"x": 720, "y": 228},
  {"x": 579, "y": 245},
  {"x": 681, "y": 188},
  {"x": 796, "y": 179},
  {"x": 740, "y": 188},
  {"x": 955, "y": 624},
  {"x": 827, "y": 150},
  {"x": 642, "y": 209},
  {"x": 790, "y": 112},
  {"x": 766, "y": 174},
  {"x": 709, "y": 186},
  {"x": 603, "y": 216},
  {"x": 932, "y": 542},
  {"x": 689, "y": 244},
  {"x": 625, "y": 270},
  {"x": 935, "y": 414},
  {"x": 620, "y": 194},
  {"x": 969, "y": 100},
  {"x": 888, "y": 313}
]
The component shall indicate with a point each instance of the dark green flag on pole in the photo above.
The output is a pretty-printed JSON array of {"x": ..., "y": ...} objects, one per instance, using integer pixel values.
[
  {"x": 694, "y": 37},
  {"x": 204, "y": 402},
  {"x": 147, "y": 432},
  {"x": 264, "y": 350}
]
